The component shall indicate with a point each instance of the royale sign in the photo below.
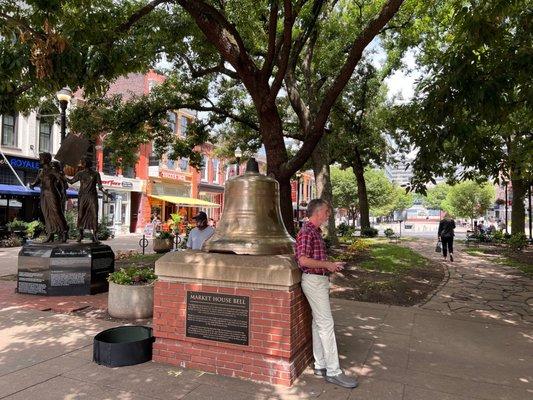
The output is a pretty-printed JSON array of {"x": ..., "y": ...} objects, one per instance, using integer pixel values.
[{"x": 22, "y": 163}]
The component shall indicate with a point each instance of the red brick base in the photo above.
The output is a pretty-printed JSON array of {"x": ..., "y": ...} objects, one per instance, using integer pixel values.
[{"x": 280, "y": 344}]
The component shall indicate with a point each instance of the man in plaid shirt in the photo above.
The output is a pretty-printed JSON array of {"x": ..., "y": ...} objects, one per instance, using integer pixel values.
[{"x": 312, "y": 260}]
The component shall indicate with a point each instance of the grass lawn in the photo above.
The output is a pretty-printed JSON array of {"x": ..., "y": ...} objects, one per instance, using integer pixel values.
[
  {"x": 385, "y": 257},
  {"x": 383, "y": 272},
  {"x": 521, "y": 261}
]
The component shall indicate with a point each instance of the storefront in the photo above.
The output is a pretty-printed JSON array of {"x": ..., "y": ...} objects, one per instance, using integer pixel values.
[
  {"x": 121, "y": 210},
  {"x": 17, "y": 201},
  {"x": 170, "y": 183}
]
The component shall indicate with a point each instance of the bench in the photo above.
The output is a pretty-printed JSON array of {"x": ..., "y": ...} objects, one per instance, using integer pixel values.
[
  {"x": 471, "y": 238},
  {"x": 394, "y": 238}
]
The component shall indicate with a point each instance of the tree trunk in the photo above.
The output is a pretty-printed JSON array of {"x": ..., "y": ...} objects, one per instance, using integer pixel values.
[
  {"x": 518, "y": 213},
  {"x": 272, "y": 134},
  {"x": 359, "y": 170},
  {"x": 320, "y": 159}
]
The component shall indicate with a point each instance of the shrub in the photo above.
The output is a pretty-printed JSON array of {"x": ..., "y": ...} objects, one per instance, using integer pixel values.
[
  {"x": 517, "y": 241},
  {"x": 358, "y": 246},
  {"x": 103, "y": 232},
  {"x": 72, "y": 223},
  {"x": 369, "y": 232},
  {"x": 12, "y": 241},
  {"x": 133, "y": 275},
  {"x": 34, "y": 228},
  {"x": 17, "y": 226},
  {"x": 388, "y": 232},
  {"x": 183, "y": 243}
]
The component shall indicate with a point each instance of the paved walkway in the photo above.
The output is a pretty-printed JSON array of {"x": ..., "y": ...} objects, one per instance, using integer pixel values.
[
  {"x": 398, "y": 353},
  {"x": 478, "y": 287}
]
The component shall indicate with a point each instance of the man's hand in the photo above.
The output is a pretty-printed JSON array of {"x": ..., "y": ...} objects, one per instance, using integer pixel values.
[{"x": 336, "y": 266}]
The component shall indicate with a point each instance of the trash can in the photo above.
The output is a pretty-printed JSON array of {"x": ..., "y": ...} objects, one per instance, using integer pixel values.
[{"x": 123, "y": 345}]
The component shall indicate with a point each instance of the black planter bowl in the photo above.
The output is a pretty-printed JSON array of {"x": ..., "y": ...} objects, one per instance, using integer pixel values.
[{"x": 124, "y": 345}]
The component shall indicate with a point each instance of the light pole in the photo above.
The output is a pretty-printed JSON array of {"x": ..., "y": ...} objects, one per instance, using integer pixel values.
[
  {"x": 506, "y": 202},
  {"x": 529, "y": 208},
  {"x": 238, "y": 155},
  {"x": 298, "y": 177},
  {"x": 64, "y": 96},
  {"x": 400, "y": 221}
]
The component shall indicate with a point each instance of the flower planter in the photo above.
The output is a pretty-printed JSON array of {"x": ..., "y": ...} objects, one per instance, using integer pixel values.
[
  {"x": 163, "y": 245},
  {"x": 130, "y": 301},
  {"x": 124, "y": 345}
]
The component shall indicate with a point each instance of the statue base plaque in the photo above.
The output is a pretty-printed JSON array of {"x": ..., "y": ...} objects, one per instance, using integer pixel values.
[
  {"x": 234, "y": 315},
  {"x": 64, "y": 269}
]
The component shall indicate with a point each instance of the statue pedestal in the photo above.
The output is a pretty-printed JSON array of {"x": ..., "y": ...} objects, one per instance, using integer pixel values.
[
  {"x": 64, "y": 269},
  {"x": 234, "y": 315}
]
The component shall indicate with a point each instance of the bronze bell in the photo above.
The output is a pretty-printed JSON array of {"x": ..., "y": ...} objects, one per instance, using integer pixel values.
[{"x": 251, "y": 221}]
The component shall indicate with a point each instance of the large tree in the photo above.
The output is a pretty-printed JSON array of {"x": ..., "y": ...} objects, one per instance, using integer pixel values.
[
  {"x": 473, "y": 107},
  {"x": 248, "y": 43},
  {"x": 469, "y": 199}
]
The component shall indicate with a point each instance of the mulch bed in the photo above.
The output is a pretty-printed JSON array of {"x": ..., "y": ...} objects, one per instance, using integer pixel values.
[{"x": 401, "y": 289}]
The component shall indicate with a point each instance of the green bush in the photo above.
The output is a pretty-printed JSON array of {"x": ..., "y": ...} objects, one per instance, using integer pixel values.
[
  {"x": 103, "y": 232},
  {"x": 72, "y": 223},
  {"x": 11, "y": 241},
  {"x": 17, "y": 225},
  {"x": 34, "y": 228},
  {"x": 133, "y": 275},
  {"x": 369, "y": 232},
  {"x": 183, "y": 243},
  {"x": 388, "y": 232},
  {"x": 517, "y": 241},
  {"x": 498, "y": 236}
]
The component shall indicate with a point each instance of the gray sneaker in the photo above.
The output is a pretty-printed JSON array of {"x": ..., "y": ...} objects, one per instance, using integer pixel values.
[
  {"x": 343, "y": 380},
  {"x": 320, "y": 371}
]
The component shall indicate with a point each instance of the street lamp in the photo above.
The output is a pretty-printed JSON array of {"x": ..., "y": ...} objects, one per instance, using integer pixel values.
[
  {"x": 506, "y": 202},
  {"x": 400, "y": 221},
  {"x": 238, "y": 155},
  {"x": 298, "y": 177},
  {"x": 64, "y": 96}
]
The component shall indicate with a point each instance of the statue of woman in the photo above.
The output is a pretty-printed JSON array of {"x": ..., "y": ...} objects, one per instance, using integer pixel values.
[
  {"x": 51, "y": 198},
  {"x": 87, "y": 198}
]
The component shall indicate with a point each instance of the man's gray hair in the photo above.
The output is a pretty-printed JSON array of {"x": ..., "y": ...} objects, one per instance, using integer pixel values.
[{"x": 314, "y": 205}]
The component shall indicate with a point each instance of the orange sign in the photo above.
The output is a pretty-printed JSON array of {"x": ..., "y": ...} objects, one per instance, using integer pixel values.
[{"x": 168, "y": 174}]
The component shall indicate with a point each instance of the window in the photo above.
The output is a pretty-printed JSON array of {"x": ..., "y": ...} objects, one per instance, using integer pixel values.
[
  {"x": 153, "y": 160},
  {"x": 128, "y": 172},
  {"x": 171, "y": 118},
  {"x": 204, "y": 172},
  {"x": 216, "y": 166},
  {"x": 108, "y": 168},
  {"x": 184, "y": 164},
  {"x": 9, "y": 131},
  {"x": 45, "y": 135},
  {"x": 183, "y": 126}
]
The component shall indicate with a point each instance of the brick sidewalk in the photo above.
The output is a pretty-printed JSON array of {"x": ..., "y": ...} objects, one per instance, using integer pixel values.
[{"x": 59, "y": 304}]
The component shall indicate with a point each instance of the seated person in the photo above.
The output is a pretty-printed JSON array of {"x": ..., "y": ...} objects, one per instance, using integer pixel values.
[{"x": 201, "y": 233}]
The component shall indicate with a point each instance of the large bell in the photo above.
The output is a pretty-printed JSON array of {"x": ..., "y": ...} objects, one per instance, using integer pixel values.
[{"x": 251, "y": 221}]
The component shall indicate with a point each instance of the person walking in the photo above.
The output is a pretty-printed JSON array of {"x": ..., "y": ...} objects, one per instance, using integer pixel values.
[
  {"x": 312, "y": 260},
  {"x": 202, "y": 232},
  {"x": 446, "y": 234}
]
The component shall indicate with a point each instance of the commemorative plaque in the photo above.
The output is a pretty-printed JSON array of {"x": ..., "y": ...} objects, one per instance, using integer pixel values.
[
  {"x": 58, "y": 269},
  {"x": 218, "y": 317}
]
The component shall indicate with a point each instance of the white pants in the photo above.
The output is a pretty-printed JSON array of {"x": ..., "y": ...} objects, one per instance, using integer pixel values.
[{"x": 316, "y": 289}]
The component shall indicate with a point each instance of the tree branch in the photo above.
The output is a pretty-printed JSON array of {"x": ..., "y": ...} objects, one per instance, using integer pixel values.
[
  {"x": 224, "y": 36},
  {"x": 298, "y": 105},
  {"x": 285, "y": 50},
  {"x": 317, "y": 130},
  {"x": 272, "y": 25},
  {"x": 148, "y": 8}
]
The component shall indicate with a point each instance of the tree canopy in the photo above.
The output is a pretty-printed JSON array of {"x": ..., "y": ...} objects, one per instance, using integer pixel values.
[{"x": 469, "y": 199}]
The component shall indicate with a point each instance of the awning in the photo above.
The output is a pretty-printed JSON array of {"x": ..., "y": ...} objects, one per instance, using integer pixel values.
[
  {"x": 18, "y": 190},
  {"x": 186, "y": 201}
]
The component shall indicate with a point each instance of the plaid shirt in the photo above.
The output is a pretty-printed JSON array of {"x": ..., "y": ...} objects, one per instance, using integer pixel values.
[{"x": 309, "y": 243}]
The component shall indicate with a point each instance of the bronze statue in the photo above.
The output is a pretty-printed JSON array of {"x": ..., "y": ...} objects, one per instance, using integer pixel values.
[
  {"x": 62, "y": 184},
  {"x": 87, "y": 198},
  {"x": 51, "y": 199}
]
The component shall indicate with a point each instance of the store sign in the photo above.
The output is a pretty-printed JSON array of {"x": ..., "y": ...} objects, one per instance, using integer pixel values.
[
  {"x": 22, "y": 163},
  {"x": 117, "y": 182},
  {"x": 169, "y": 174}
]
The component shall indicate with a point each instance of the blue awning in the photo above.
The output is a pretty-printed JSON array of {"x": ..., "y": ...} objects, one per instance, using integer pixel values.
[{"x": 18, "y": 190}]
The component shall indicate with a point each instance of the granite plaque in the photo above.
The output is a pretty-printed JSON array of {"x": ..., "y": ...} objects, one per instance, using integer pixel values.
[
  {"x": 64, "y": 269},
  {"x": 218, "y": 317}
]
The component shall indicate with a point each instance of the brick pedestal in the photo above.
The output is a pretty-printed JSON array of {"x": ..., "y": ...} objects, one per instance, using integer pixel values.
[{"x": 279, "y": 343}]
